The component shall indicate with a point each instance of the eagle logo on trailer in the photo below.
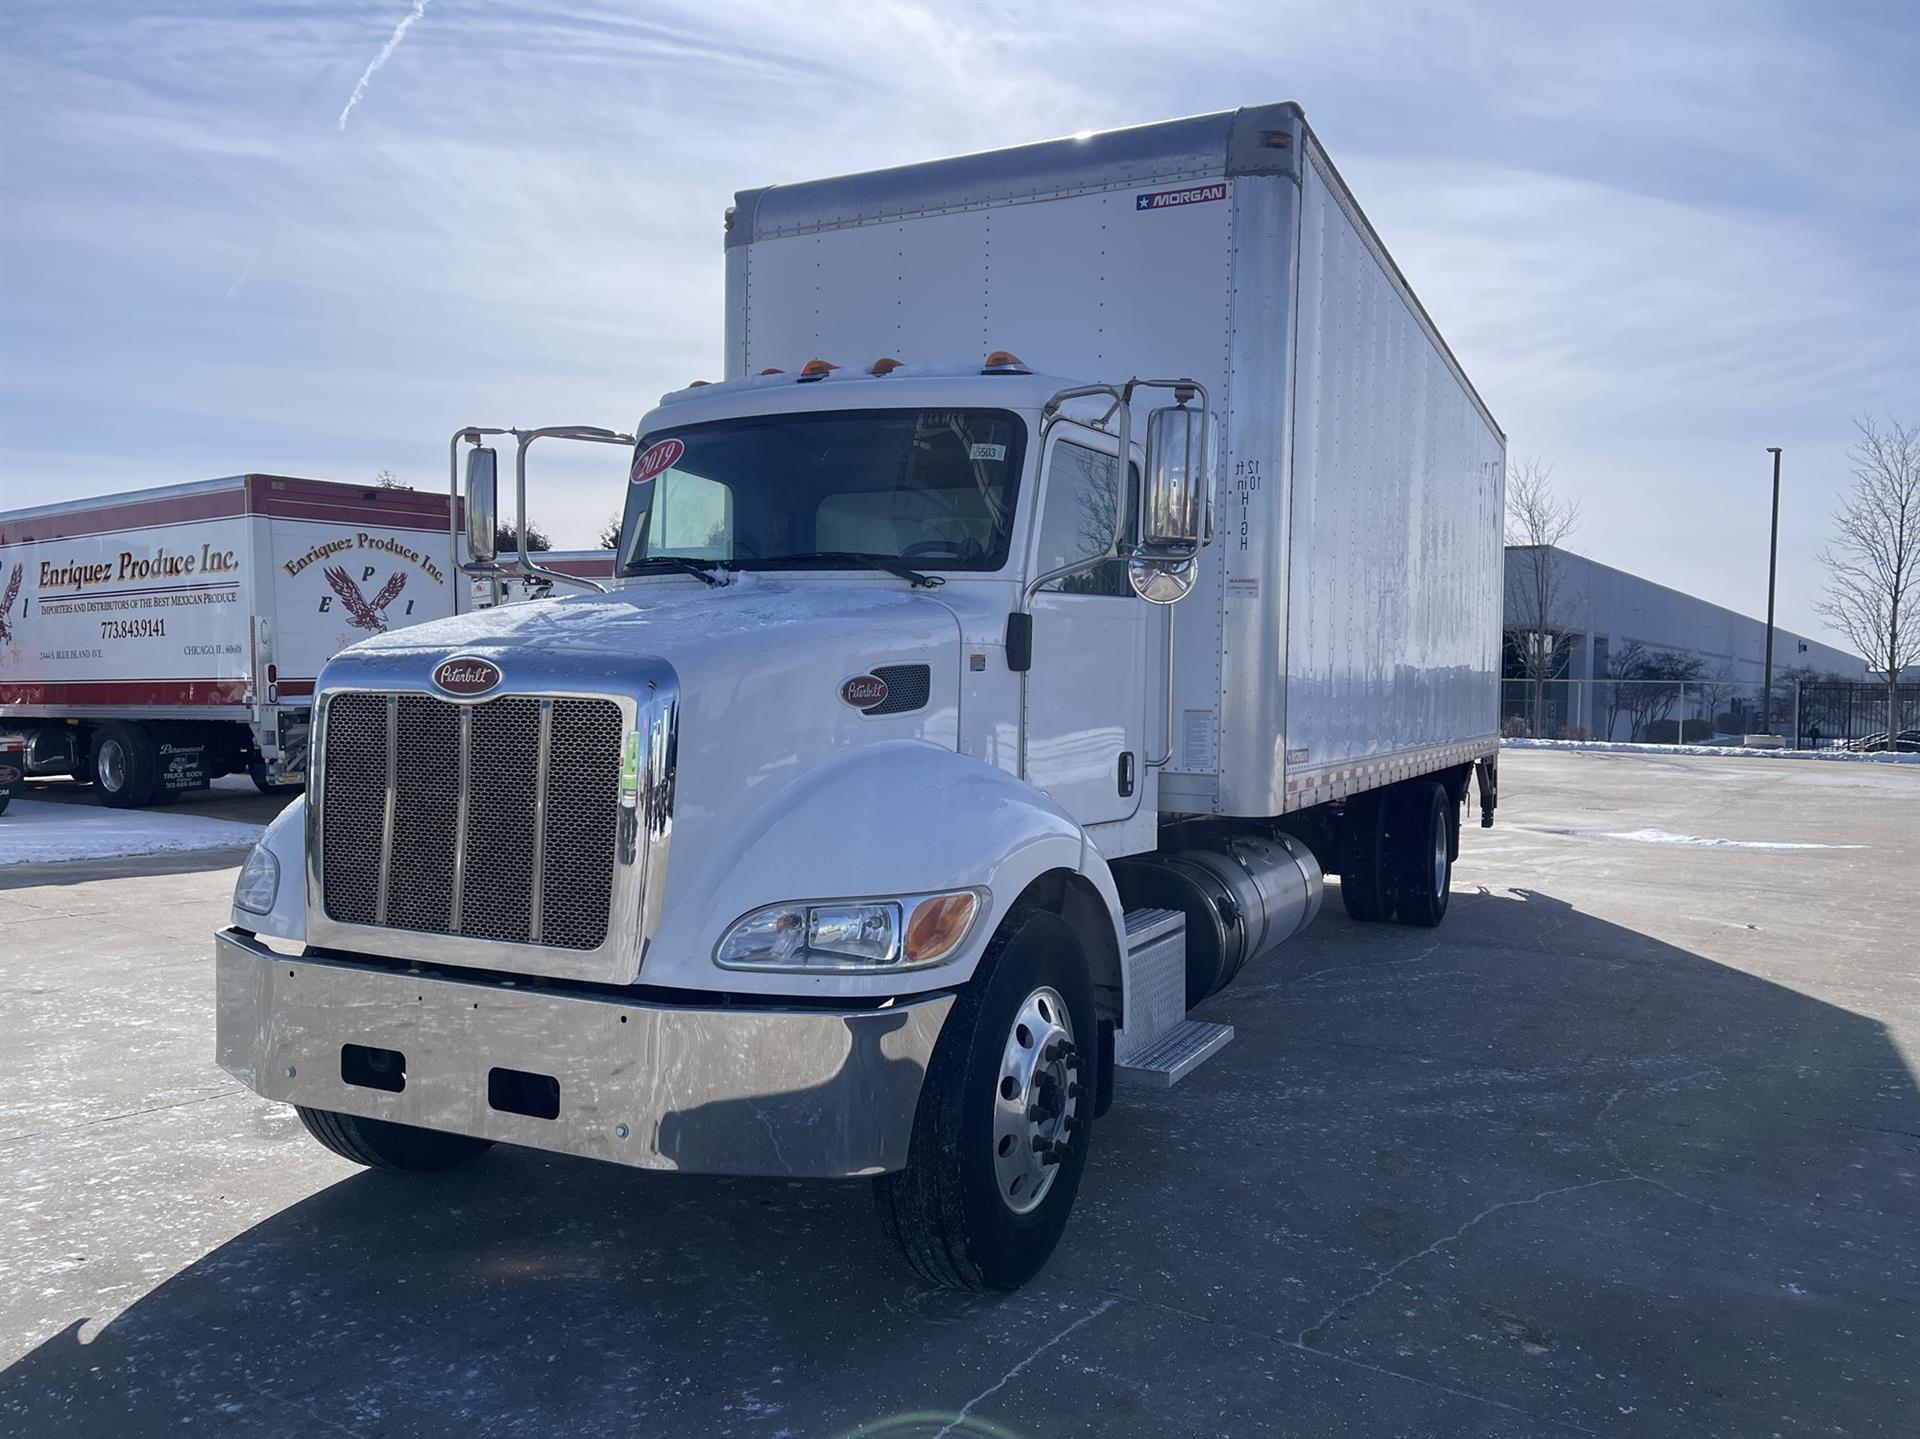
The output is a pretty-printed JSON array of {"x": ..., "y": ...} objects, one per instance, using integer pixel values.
[
  {"x": 6, "y": 606},
  {"x": 362, "y": 613}
]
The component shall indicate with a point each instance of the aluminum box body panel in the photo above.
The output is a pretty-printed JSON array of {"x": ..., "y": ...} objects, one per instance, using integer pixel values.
[
  {"x": 815, "y": 1092},
  {"x": 1398, "y": 487},
  {"x": 1348, "y": 610}
]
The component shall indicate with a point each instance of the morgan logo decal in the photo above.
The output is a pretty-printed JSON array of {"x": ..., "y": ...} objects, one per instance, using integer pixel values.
[
  {"x": 467, "y": 676},
  {"x": 8, "y": 775},
  {"x": 364, "y": 613},
  {"x": 863, "y": 692},
  {"x": 1192, "y": 195},
  {"x": 6, "y": 606},
  {"x": 654, "y": 459}
]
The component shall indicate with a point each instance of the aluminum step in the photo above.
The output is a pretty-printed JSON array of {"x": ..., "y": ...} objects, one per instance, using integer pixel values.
[
  {"x": 1175, "y": 1054},
  {"x": 1160, "y": 1046}
]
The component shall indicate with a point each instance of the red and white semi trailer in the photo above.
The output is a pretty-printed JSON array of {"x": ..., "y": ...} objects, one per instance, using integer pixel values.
[{"x": 154, "y": 641}]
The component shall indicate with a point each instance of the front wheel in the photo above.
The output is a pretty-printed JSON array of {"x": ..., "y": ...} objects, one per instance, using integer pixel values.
[
  {"x": 1001, "y": 1136},
  {"x": 382, "y": 1144}
]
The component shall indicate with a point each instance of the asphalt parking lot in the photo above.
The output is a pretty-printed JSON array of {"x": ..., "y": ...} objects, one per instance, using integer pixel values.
[{"x": 1631, "y": 1145}]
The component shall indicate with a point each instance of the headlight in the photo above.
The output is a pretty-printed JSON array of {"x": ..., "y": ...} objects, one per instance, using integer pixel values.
[
  {"x": 855, "y": 934},
  {"x": 259, "y": 882}
]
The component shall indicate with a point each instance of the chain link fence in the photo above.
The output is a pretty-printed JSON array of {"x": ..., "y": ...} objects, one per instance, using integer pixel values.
[{"x": 1806, "y": 715}]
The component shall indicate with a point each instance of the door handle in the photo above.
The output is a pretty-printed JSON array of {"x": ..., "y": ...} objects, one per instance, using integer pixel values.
[{"x": 1126, "y": 774}]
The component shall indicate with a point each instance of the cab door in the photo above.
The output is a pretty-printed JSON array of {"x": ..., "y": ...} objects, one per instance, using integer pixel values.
[{"x": 1086, "y": 694}]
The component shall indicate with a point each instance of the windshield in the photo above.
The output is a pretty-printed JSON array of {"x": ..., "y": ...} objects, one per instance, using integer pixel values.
[{"x": 933, "y": 488}]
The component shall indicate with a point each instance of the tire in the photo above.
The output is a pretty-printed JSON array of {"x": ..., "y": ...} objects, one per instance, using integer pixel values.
[
  {"x": 1426, "y": 841},
  {"x": 1366, "y": 872},
  {"x": 381, "y": 1144},
  {"x": 123, "y": 766},
  {"x": 257, "y": 772},
  {"x": 946, "y": 1209}
]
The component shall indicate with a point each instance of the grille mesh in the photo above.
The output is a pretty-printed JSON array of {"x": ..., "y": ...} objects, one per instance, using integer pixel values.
[
  {"x": 582, "y": 787},
  {"x": 907, "y": 689},
  {"x": 496, "y": 896},
  {"x": 355, "y": 800}
]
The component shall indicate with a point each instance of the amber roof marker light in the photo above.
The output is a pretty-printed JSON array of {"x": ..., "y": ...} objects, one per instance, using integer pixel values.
[
  {"x": 885, "y": 365},
  {"x": 1004, "y": 362},
  {"x": 816, "y": 370}
]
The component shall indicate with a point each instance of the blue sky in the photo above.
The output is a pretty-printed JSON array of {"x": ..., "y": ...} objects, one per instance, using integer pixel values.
[{"x": 1659, "y": 237}]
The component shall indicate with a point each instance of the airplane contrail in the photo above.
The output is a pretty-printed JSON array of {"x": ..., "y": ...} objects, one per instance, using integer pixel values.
[{"x": 393, "y": 43}]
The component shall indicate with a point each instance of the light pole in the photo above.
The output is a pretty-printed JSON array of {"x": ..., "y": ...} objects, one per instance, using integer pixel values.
[{"x": 1773, "y": 556}]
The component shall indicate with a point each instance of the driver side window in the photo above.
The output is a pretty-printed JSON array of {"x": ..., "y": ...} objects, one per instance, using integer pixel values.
[{"x": 1077, "y": 520}]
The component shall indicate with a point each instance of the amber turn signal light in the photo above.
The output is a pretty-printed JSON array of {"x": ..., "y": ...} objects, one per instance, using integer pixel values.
[{"x": 938, "y": 925}]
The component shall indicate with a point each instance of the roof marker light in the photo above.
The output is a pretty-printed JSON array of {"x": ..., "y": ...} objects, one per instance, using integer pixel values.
[
  {"x": 886, "y": 365},
  {"x": 773, "y": 370},
  {"x": 816, "y": 370},
  {"x": 698, "y": 383},
  {"x": 1004, "y": 362}
]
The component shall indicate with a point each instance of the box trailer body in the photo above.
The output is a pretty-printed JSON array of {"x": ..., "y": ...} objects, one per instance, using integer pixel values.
[
  {"x": 188, "y": 624},
  {"x": 1349, "y": 634},
  {"x": 952, "y": 724}
]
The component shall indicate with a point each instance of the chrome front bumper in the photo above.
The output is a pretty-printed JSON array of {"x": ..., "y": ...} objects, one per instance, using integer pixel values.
[{"x": 806, "y": 1092}]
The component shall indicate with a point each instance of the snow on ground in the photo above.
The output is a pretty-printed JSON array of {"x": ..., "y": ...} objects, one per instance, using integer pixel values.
[
  {"x": 35, "y": 832},
  {"x": 1662, "y": 836},
  {"x": 1621, "y": 747}
]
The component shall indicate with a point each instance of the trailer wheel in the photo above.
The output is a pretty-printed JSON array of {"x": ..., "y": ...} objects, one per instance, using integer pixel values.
[
  {"x": 1366, "y": 869},
  {"x": 257, "y": 772},
  {"x": 382, "y": 1144},
  {"x": 1001, "y": 1137},
  {"x": 1428, "y": 840},
  {"x": 123, "y": 765}
]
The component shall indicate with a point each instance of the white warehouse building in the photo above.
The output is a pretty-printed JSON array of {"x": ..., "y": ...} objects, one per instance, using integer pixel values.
[{"x": 1613, "y": 634}]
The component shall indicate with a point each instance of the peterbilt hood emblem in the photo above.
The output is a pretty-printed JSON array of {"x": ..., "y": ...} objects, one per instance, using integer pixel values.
[
  {"x": 863, "y": 692},
  {"x": 466, "y": 676}
]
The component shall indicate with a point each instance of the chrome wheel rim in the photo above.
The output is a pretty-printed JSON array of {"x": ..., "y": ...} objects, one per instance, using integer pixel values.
[
  {"x": 1036, "y": 1101},
  {"x": 113, "y": 766},
  {"x": 1440, "y": 860}
]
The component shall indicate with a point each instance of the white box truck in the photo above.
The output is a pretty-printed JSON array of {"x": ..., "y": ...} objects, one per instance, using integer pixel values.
[
  {"x": 1090, "y": 546},
  {"x": 153, "y": 641}
]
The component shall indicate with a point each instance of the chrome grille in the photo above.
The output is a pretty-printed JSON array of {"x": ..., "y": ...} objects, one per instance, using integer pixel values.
[{"x": 433, "y": 817}]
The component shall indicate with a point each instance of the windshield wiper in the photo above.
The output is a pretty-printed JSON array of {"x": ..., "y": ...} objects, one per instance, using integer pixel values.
[
  {"x": 857, "y": 560},
  {"x": 686, "y": 564}
]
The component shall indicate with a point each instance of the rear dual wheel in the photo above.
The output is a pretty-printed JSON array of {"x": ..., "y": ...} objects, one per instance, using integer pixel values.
[
  {"x": 125, "y": 768},
  {"x": 1001, "y": 1136},
  {"x": 1399, "y": 848}
]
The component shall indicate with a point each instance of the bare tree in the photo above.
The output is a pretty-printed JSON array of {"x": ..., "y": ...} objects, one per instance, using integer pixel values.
[
  {"x": 1873, "y": 564},
  {"x": 1538, "y": 523}
]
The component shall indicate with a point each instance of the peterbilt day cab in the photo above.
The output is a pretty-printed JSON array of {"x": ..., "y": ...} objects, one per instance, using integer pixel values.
[{"x": 951, "y": 726}]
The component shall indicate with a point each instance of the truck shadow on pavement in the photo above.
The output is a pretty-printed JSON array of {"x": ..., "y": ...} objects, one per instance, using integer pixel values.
[{"x": 1530, "y": 1170}]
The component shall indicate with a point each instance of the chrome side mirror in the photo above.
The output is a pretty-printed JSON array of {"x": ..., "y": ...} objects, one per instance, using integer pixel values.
[
  {"x": 482, "y": 501},
  {"x": 1176, "y": 506},
  {"x": 1174, "y": 525}
]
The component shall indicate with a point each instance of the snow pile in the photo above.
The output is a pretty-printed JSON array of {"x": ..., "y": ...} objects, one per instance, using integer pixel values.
[
  {"x": 36, "y": 832},
  {"x": 1739, "y": 751}
]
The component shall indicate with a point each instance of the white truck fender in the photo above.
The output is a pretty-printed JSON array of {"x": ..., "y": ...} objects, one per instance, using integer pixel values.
[
  {"x": 285, "y": 840},
  {"x": 894, "y": 818}
]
